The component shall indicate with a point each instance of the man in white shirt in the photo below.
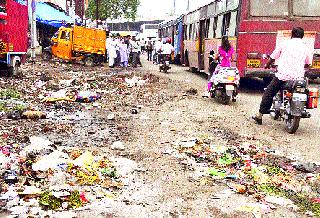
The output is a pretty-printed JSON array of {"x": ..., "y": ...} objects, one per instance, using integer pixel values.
[{"x": 157, "y": 49}]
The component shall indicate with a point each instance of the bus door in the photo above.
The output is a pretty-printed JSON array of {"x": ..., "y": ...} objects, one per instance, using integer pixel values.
[{"x": 202, "y": 35}]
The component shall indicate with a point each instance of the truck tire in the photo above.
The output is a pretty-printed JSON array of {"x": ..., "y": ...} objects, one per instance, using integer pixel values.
[{"x": 89, "y": 61}]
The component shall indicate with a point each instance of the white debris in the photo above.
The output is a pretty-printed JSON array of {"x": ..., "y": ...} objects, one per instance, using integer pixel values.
[{"x": 118, "y": 145}]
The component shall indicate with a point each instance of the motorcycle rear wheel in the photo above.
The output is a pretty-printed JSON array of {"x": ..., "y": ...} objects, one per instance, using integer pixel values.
[
  {"x": 222, "y": 97},
  {"x": 292, "y": 124}
]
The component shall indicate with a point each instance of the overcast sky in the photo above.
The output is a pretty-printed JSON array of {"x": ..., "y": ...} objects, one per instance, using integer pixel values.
[{"x": 160, "y": 9}]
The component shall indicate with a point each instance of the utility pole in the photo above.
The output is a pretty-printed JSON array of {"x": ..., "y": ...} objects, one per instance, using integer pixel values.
[
  {"x": 33, "y": 30},
  {"x": 188, "y": 5},
  {"x": 97, "y": 11},
  {"x": 174, "y": 7}
]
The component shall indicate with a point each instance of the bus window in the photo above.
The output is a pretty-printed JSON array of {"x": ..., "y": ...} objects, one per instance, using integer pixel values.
[
  {"x": 185, "y": 32},
  {"x": 226, "y": 23},
  {"x": 219, "y": 27},
  {"x": 196, "y": 31},
  {"x": 221, "y": 6},
  {"x": 232, "y": 4},
  {"x": 207, "y": 28},
  {"x": 190, "y": 31},
  {"x": 213, "y": 27},
  {"x": 233, "y": 24},
  {"x": 265, "y": 8},
  {"x": 306, "y": 8},
  {"x": 3, "y": 6}
]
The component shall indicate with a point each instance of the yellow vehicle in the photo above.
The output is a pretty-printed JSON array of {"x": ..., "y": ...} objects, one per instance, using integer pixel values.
[{"x": 78, "y": 43}]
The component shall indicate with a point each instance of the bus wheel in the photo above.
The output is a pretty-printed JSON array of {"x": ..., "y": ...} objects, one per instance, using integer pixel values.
[{"x": 193, "y": 70}]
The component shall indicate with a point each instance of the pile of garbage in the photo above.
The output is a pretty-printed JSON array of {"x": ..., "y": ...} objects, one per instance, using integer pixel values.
[
  {"x": 247, "y": 169},
  {"x": 39, "y": 176}
]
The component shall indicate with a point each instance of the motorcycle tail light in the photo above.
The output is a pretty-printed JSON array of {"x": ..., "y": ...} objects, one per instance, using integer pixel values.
[
  {"x": 313, "y": 97},
  {"x": 288, "y": 94}
]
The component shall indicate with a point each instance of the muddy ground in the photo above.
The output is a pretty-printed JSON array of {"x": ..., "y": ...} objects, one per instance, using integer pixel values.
[{"x": 170, "y": 108}]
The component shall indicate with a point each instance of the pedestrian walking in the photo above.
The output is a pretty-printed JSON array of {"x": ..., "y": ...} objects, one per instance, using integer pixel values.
[
  {"x": 124, "y": 54},
  {"x": 149, "y": 50},
  {"x": 112, "y": 53},
  {"x": 134, "y": 50},
  {"x": 157, "y": 50}
]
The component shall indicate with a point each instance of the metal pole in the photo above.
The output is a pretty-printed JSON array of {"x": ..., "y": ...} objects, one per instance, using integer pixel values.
[
  {"x": 97, "y": 12},
  {"x": 33, "y": 30},
  {"x": 188, "y": 5}
]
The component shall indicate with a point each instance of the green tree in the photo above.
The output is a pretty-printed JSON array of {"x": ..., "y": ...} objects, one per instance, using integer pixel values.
[{"x": 113, "y": 9}]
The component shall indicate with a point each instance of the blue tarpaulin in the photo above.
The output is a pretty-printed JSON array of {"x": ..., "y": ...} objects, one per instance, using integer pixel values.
[{"x": 48, "y": 15}]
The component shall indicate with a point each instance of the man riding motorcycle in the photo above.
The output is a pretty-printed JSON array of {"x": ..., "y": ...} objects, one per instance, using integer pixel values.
[{"x": 293, "y": 57}]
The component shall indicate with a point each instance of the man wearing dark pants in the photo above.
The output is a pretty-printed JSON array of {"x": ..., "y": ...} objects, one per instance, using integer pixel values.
[
  {"x": 134, "y": 48},
  {"x": 292, "y": 57}
]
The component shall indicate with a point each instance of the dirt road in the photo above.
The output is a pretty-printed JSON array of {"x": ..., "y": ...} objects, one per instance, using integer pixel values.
[
  {"x": 304, "y": 144},
  {"x": 170, "y": 110}
]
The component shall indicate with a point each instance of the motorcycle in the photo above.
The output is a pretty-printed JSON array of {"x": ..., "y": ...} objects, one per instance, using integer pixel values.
[
  {"x": 225, "y": 85},
  {"x": 164, "y": 63},
  {"x": 292, "y": 102}
]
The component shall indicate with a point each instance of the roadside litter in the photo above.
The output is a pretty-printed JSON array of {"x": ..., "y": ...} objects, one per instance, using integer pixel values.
[{"x": 248, "y": 169}]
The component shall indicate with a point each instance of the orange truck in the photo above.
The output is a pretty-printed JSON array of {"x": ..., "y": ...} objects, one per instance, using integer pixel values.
[{"x": 78, "y": 44}]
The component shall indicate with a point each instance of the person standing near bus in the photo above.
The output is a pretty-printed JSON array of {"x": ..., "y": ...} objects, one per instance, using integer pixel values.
[
  {"x": 149, "y": 50},
  {"x": 293, "y": 57},
  {"x": 134, "y": 49},
  {"x": 224, "y": 57},
  {"x": 157, "y": 50}
]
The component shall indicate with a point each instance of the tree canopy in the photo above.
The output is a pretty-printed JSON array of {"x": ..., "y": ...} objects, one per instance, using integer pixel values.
[{"x": 113, "y": 9}]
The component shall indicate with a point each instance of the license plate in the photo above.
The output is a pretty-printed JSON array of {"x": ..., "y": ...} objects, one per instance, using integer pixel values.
[
  {"x": 299, "y": 97},
  {"x": 253, "y": 63},
  {"x": 316, "y": 64},
  {"x": 229, "y": 87}
]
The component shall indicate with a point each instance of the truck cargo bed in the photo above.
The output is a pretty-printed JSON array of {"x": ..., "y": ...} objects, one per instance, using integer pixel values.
[{"x": 87, "y": 40}]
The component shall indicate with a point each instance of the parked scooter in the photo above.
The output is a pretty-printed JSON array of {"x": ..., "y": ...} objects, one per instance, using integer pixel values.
[
  {"x": 225, "y": 85},
  {"x": 292, "y": 102}
]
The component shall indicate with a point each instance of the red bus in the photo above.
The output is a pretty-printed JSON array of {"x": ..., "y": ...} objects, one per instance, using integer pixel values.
[
  {"x": 252, "y": 27},
  {"x": 13, "y": 34}
]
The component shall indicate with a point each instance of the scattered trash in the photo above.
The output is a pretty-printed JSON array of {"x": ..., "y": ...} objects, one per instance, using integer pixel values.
[
  {"x": 111, "y": 116},
  {"x": 192, "y": 91},
  {"x": 33, "y": 115},
  {"x": 118, "y": 146},
  {"x": 134, "y": 110}
]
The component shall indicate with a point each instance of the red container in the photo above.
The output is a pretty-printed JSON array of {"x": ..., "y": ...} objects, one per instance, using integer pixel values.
[{"x": 313, "y": 97}]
